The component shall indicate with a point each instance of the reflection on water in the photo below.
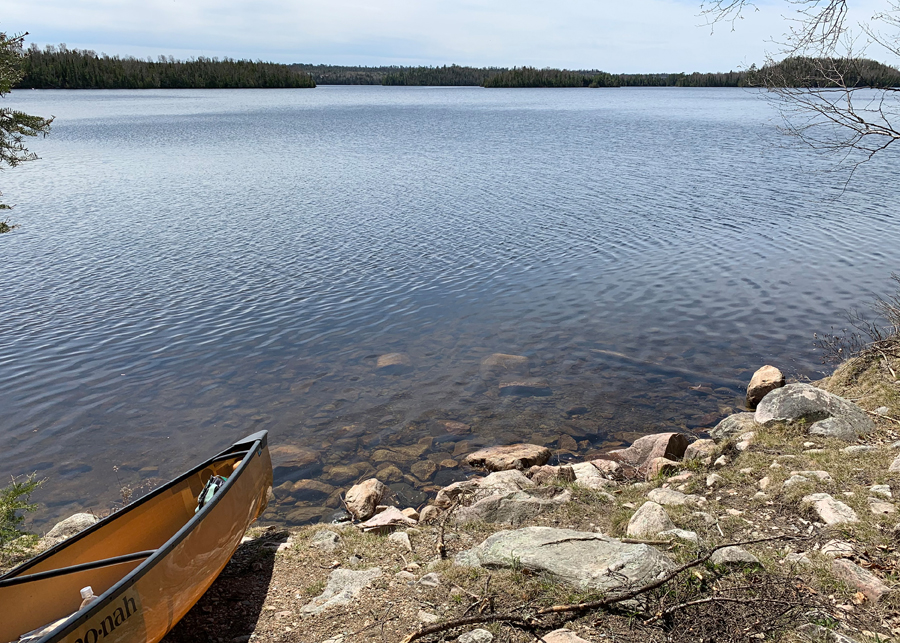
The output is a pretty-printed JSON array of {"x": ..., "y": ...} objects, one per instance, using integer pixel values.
[{"x": 197, "y": 265}]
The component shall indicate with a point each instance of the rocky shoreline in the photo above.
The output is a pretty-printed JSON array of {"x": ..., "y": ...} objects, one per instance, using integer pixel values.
[{"x": 782, "y": 525}]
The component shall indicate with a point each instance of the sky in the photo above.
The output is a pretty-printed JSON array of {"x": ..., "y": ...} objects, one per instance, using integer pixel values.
[{"x": 619, "y": 36}]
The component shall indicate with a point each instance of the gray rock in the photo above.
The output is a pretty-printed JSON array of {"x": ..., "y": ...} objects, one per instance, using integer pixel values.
[
  {"x": 700, "y": 450},
  {"x": 820, "y": 634},
  {"x": 71, "y": 526},
  {"x": 563, "y": 636},
  {"x": 895, "y": 465},
  {"x": 734, "y": 425},
  {"x": 829, "y": 510},
  {"x": 879, "y": 507},
  {"x": 325, "y": 540},
  {"x": 829, "y": 414},
  {"x": 401, "y": 538},
  {"x": 734, "y": 557},
  {"x": 837, "y": 549},
  {"x": 476, "y": 636},
  {"x": 649, "y": 520},
  {"x": 343, "y": 586},
  {"x": 821, "y": 476},
  {"x": 882, "y": 490},
  {"x": 583, "y": 559},
  {"x": 514, "y": 508},
  {"x": 430, "y": 580},
  {"x": 671, "y": 497},
  {"x": 682, "y": 534},
  {"x": 859, "y": 449},
  {"x": 589, "y": 476},
  {"x": 794, "y": 481}
]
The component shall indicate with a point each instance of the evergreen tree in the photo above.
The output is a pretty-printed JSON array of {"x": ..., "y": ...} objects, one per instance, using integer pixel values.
[{"x": 15, "y": 125}]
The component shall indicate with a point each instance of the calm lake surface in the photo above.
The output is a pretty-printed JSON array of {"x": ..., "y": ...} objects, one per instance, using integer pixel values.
[{"x": 194, "y": 266}]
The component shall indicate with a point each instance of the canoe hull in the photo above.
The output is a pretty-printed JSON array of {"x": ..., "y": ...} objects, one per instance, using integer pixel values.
[{"x": 147, "y": 598}]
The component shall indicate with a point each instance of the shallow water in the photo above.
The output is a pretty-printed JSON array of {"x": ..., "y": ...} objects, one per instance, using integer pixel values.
[{"x": 197, "y": 265}]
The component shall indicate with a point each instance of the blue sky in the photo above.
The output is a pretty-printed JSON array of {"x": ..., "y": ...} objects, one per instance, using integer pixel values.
[{"x": 614, "y": 35}]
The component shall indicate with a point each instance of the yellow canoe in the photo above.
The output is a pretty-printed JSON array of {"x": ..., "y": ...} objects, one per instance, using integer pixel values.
[{"x": 148, "y": 563}]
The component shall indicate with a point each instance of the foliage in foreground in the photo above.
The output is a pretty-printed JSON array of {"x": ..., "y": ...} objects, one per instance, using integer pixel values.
[
  {"x": 15, "y": 502},
  {"x": 14, "y": 125},
  {"x": 866, "y": 337}
]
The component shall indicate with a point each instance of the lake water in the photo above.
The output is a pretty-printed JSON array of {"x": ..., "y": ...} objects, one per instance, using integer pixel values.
[{"x": 194, "y": 266}]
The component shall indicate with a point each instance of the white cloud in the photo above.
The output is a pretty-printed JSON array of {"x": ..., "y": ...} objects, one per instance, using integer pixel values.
[{"x": 634, "y": 36}]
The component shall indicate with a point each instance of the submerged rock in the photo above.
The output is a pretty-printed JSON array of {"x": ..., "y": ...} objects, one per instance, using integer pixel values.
[
  {"x": 514, "y": 456},
  {"x": 525, "y": 387},
  {"x": 394, "y": 364},
  {"x": 583, "y": 559}
]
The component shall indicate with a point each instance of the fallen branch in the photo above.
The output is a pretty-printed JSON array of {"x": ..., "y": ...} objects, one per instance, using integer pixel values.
[
  {"x": 441, "y": 547},
  {"x": 471, "y": 620},
  {"x": 888, "y": 364},
  {"x": 612, "y": 600},
  {"x": 531, "y": 622}
]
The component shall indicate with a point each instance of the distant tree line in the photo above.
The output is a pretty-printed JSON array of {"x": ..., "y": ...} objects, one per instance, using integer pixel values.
[
  {"x": 63, "y": 68},
  {"x": 532, "y": 77},
  {"x": 799, "y": 72}
]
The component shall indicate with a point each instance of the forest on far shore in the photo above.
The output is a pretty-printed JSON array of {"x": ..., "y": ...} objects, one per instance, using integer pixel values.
[{"x": 59, "y": 67}]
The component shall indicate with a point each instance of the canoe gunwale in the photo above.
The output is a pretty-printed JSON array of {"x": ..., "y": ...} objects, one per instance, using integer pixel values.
[{"x": 256, "y": 442}]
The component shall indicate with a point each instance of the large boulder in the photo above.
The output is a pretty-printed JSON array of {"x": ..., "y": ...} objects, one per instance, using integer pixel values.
[
  {"x": 829, "y": 415},
  {"x": 71, "y": 526},
  {"x": 586, "y": 560},
  {"x": 644, "y": 450},
  {"x": 362, "y": 499},
  {"x": 734, "y": 425},
  {"x": 513, "y": 456},
  {"x": 764, "y": 381}
]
